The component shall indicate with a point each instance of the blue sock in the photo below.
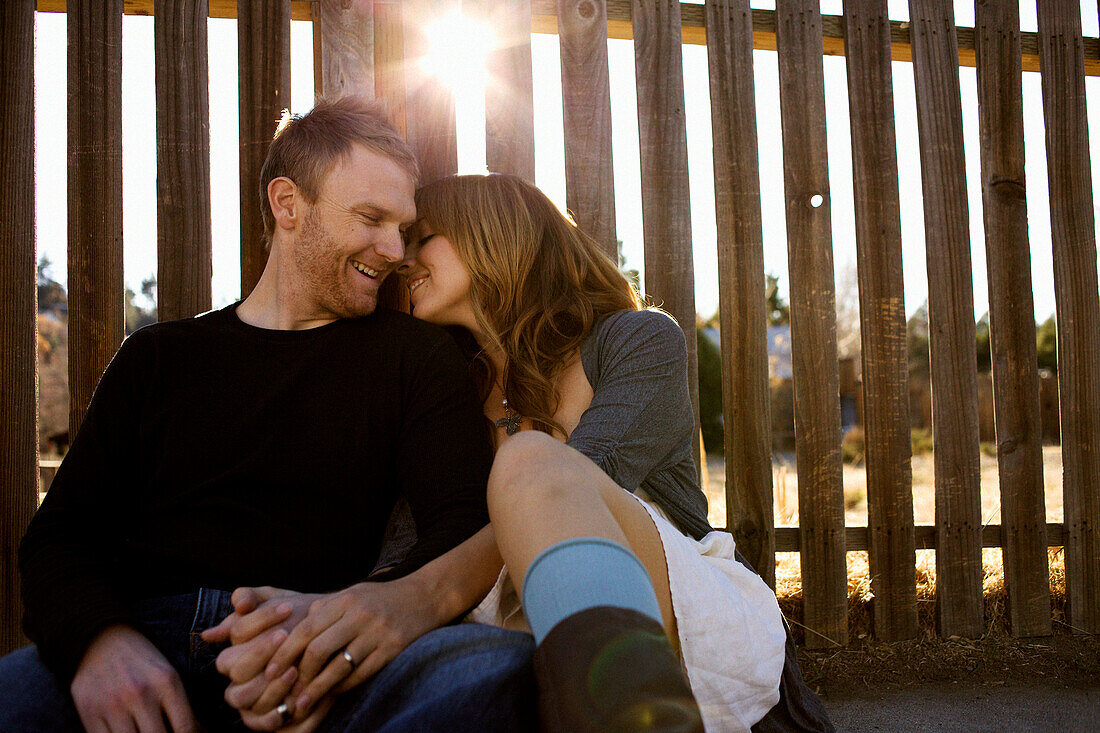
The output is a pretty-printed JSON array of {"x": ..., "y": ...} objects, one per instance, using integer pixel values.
[{"x": 583, "y": 573}]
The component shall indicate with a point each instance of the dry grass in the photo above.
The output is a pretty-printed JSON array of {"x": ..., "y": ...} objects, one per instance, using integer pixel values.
[
  {"x": 785, "y": 489},
  {"x": 997, "y": 658}
]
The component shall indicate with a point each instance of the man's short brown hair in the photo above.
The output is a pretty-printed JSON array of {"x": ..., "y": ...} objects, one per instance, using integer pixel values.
[{"x": 307, "y": 146}]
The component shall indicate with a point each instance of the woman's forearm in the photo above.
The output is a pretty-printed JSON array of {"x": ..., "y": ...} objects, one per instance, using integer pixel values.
[{"x": 459, "y": 579}]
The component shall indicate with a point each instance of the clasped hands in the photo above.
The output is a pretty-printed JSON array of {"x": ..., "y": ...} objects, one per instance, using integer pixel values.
[{"x": 286, "y": 663}]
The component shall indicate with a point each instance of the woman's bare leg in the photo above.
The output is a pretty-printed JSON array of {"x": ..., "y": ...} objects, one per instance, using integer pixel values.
[{"x": 542, "y": 492}]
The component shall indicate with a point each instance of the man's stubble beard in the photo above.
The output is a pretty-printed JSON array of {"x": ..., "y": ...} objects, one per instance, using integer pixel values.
[{"x": 320, "y": 261}]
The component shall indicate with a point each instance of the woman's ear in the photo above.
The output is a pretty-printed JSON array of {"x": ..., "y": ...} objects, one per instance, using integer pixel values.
[{"x": 286, "y": 202}]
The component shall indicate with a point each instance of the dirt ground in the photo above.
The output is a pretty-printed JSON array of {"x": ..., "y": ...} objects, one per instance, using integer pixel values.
[{"x": 1040, "y": 707}]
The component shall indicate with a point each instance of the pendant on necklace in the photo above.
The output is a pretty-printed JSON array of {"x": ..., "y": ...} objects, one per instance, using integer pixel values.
[{"x": 510, "y": 422}]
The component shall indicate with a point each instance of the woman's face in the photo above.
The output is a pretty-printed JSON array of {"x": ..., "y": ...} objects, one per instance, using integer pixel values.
[{"x": 439, "y": 285}]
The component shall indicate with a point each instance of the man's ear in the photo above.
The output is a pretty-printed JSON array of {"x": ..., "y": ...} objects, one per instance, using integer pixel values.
[{"x": 286, "y": 203}]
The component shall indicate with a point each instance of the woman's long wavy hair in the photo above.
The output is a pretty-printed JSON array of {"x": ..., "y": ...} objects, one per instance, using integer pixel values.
[{"x": 538, "y": 283}]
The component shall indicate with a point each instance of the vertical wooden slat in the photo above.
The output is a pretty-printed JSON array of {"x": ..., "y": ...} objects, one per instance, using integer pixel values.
[
  {"x": 666, "y": 203},
  {"x": 429, "y": 101},
  {"x": 1012, "y": 316},
  {"x": 18, "y": 324},
  {"x": 951, "y": 319},
  {"x": 184, "y": 265},
  {"x": 509, "y": 95},
  {"x": 389, "y": 60},
  {"x": 347, "y": 48},
  {"x": 318, "y": 71},
  {"x": 95, "y": 195},
  {"x": 882, "y": 319},
  {"x": 263, "y": 52},
  {"x": 813, "y": 323},
  {"x": 586, "y": 106},
  {"x": 389, "y": 88},
  {"x": 1061, "y": 57},
  {"x": 745, "y": 398}
]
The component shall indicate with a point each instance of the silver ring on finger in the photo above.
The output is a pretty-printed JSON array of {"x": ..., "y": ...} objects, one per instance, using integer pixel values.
[
  {"x": 284, "y": 713},
  {"x": 350, "y": 659}
]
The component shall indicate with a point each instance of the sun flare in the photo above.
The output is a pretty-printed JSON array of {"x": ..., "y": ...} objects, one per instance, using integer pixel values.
[{"x": 457, "y": 47}]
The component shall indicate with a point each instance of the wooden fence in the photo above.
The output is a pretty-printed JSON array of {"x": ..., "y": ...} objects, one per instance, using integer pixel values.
[{"x": 361, "y": 46}]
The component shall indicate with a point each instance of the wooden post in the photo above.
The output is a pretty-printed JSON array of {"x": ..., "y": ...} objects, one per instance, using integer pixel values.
[
  {"x": 346, "y": 48},
  {"x": 18, "y": 309},
  {"x": 1012, "y": 317},
  {"x": 263, "y": 54},
  {"x": 429, "y": 101},
  {"x": 951, "y": 319},
  {"x": 586, "y": 106},
  {"x": 666, "y": 203},
  {"x": 745, "y": 399},
  {"x": 813, "y": 323},
  {"x": 184, "y": 265},
  {"x": 882, "y": 319},
  {"x": 509, "y": 95},
  {"x": 95, "y": 196},
  {"x": 1061, "y": 56}
]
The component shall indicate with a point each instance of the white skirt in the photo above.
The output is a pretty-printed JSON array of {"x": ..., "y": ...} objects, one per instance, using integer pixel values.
[{"x": 731, "y": 630}]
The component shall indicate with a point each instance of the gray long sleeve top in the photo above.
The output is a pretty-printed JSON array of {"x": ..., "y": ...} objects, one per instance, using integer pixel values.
[{"x": 639, "y": 426}]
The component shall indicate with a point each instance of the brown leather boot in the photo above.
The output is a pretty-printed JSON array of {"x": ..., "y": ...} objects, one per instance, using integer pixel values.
[{"x": 612, "y": 669}]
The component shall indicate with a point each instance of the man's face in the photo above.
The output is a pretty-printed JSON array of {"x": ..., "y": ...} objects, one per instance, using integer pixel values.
[{"x": 351, "y": 238}]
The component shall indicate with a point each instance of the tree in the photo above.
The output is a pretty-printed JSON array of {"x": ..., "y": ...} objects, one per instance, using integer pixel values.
[
  {"x": 710, "y": 391},
  {"x": 847, "y": 313},
  {"x": 985, "y": 355},
  {"x": 778, "y": 310},
  {"x": 916, "y": 337},
  {"x": 136, "y": 316},
  {"x": 51, "y": 294},
  {"x": 1046, "y": 343}
]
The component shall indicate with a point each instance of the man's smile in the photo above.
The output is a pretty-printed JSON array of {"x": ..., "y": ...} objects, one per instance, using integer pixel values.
[{"x": 369, "y": 272}]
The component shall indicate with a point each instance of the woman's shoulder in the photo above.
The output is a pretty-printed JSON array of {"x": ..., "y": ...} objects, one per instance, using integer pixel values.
[
  {"x": 624, "y": 327},
  {"x": 631, "y": 337}
]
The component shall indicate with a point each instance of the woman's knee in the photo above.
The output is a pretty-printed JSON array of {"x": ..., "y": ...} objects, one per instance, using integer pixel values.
[{"x": 529, "y": 467}]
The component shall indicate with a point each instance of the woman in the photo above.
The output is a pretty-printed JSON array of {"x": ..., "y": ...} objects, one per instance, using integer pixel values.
[{"x": 588, "y": 398}]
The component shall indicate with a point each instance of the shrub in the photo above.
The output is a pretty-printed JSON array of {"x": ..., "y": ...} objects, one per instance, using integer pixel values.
[
  {"x": 710, "y": 392},
  {"x": 853, "y": 446},
  {"x": 921, "y": 439}
]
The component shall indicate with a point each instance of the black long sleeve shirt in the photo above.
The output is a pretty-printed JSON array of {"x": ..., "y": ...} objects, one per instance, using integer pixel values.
[{"x": 217, "y": 454}]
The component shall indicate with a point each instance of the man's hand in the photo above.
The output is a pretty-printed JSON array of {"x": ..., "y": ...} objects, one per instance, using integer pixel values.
[
  {"x": 261, "y": 621},
  {"x": 256, "y": 610},
  {"x": 125, "y": 684}
]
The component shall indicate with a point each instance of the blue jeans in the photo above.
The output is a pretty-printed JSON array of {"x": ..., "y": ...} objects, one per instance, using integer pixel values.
[{"x": 466, "y": 677}]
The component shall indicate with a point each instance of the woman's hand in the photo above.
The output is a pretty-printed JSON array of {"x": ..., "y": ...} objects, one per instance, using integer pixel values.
[{"x": 369, "y": 622}]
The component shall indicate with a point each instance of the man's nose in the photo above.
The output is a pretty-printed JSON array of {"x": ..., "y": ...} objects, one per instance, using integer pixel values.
[{"x": 391, "y": 246}]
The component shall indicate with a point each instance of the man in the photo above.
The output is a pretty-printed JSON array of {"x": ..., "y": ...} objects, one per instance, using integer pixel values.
[{"x": 265, "y": 444}]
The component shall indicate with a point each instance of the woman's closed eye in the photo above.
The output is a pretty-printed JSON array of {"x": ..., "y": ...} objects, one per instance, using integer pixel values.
[{"x": 413, "y": 243}]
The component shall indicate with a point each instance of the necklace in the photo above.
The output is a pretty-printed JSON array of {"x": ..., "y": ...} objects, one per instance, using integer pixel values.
[{"x": 511, "y": 420}]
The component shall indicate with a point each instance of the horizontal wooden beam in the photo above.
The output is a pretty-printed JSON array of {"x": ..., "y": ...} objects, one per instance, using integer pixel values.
[
  {"x": 787, "y": 538},
  {"x": 619, "y": 25},
  {"x": 544, "y": 19},
  {"x": 299, "y": 9}
]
